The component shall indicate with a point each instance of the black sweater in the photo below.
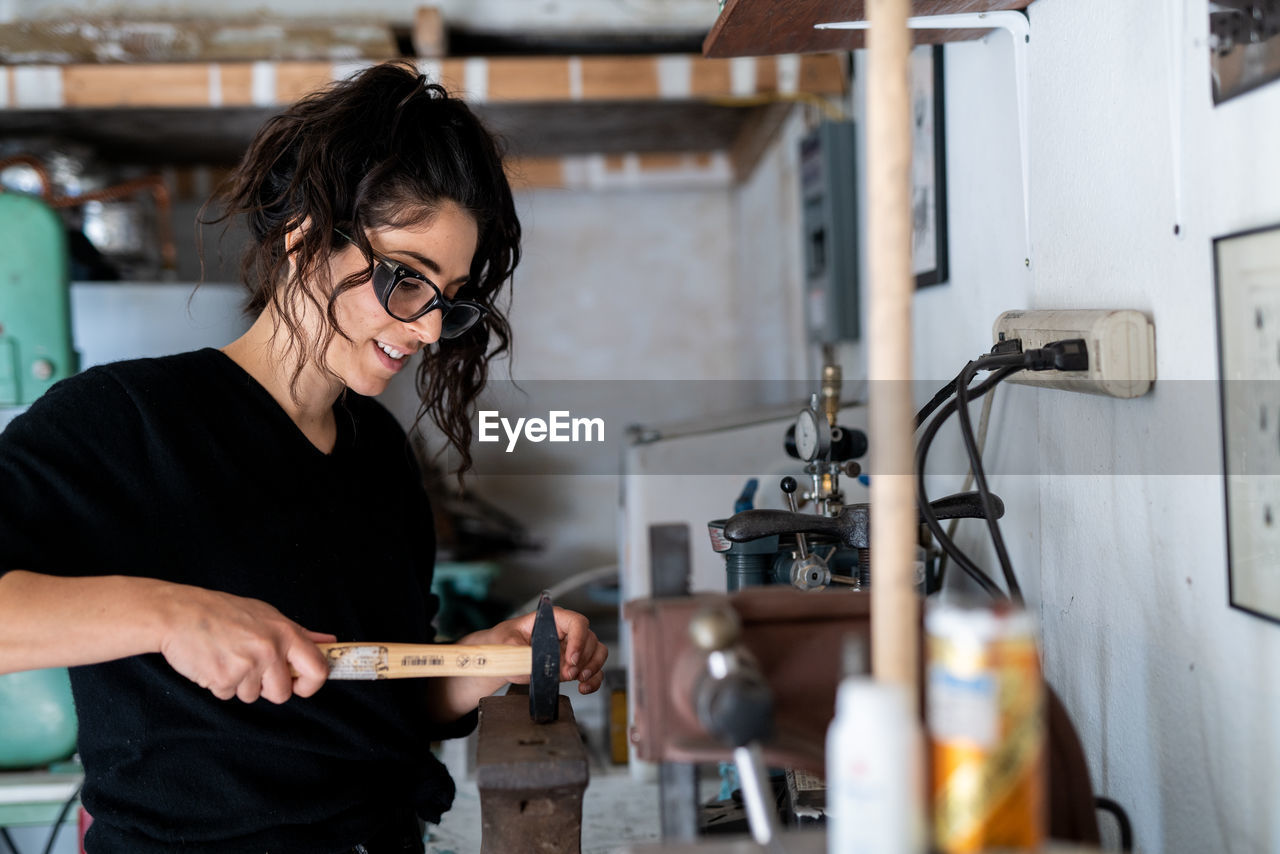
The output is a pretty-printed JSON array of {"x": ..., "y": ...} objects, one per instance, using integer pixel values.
[{"x": 185, "y": 469}]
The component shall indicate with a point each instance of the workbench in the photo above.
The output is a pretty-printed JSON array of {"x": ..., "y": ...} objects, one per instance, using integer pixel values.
[
  {"x": 36, "y": 797},
  {"x": 31, "y": 801}
]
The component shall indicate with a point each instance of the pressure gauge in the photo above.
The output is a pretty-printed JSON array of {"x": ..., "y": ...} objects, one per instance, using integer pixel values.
[{"x": 813, "y": 435}]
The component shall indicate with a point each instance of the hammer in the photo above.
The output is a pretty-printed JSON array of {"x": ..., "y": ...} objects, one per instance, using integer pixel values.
[{"x": 541, "y": 660}]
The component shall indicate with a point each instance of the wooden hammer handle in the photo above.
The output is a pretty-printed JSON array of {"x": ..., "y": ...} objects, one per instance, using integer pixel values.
[{"x": 406, "y": 660}]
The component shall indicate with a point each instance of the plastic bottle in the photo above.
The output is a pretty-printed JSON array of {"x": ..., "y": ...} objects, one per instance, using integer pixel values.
[
  {"x": 873, "y": 771},
  {"x": 986, "y": 722}
]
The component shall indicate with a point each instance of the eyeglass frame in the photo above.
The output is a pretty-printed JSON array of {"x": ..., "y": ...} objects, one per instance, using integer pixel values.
[{"x": 400, "y": 272}]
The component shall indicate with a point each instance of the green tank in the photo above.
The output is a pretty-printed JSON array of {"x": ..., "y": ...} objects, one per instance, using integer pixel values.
[
  {"x": 37, "y": 716},
  {"x": 35, "y": 300}
]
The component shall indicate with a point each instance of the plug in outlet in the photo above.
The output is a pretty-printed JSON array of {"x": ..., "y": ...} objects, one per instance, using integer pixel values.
[{"x": 1122, "y": 348}]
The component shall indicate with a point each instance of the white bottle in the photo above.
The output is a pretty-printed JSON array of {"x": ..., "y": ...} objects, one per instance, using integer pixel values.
[{"x": 873, "y": 771}]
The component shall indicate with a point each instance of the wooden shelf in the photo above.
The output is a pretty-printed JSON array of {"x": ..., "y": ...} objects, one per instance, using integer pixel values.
[
  {"x": 769, "y": 27},
  {"x": 569, "y": 120},
  {"x": 677, "y": 77}
]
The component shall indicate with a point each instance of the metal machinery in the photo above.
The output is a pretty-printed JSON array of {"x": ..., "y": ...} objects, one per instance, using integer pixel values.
[
  {"x": 750, "y": 676},
  {"x": 35, "y": 314},
  {"x": 828, "y": 451},
  {"x": 747, "y": 677},
  {"x": 37, "y": 717}
]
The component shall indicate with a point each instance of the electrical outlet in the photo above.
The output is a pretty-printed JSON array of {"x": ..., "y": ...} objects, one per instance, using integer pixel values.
[
  {"x": 1248, "y": 273},
  {"x": 1121, "y": 342}
]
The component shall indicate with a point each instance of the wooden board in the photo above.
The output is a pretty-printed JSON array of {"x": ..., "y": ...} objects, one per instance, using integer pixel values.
[
  {"x": 116, "y": 39},
  {"x": 680, "y": 108},
  {"x": 768, "y": 27},
  {"x": 546, "y": 79}
]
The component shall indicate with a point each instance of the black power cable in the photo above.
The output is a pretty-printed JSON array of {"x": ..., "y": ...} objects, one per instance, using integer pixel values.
[
  {"x": 944, "y": 394},
  {"x": 1003, "y": 348},
  {"x": 961, "y": 559},
  {"x": 53, "y": 831},
  {"x": 62, "y": 816},
  {"x": 1016, "y": 361},
  {"x": 1069, "y": 355},
  {"x": 1122, "y": 820}
]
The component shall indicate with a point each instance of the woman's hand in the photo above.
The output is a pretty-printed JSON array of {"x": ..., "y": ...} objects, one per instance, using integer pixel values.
[
  {"x": 582, "y": 655},
  {"x": 238, "y": 647},
  {"x": 582, "y": 658}
]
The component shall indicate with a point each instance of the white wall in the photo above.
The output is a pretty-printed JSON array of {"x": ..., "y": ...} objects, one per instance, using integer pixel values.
[
  {"x": 1116, "y": 511},
  {"x": 629, "y": 294},
  {"x": 769, "y": 322},
  {"x": 624, "y": 286}
]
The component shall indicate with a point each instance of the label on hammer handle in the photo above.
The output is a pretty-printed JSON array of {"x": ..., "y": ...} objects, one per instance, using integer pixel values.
[{"x": 357, "y": 661}]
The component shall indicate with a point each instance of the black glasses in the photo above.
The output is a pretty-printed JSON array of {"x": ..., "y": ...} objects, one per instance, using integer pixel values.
[{"x": 406, "y": 295}]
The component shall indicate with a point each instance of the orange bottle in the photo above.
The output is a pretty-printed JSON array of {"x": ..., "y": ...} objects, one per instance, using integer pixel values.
[{"x": 985, "y": 715}]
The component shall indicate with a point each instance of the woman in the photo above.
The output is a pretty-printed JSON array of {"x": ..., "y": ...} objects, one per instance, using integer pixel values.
[{"x": 183, "y": 531}]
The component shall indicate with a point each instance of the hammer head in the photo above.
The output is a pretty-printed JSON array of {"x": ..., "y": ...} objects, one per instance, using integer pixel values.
[{"x": 544, "y": 681}]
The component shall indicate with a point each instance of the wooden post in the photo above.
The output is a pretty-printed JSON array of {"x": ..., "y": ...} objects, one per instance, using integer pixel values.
[
  {"x": 429, "y": 38},
  {"x": 894, "y": 607}
]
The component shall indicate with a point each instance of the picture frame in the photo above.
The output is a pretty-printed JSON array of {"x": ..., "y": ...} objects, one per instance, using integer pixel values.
[
  {"x": 928, "y": 168},
  {"x": 1247, "y": 285},
  {"x": 1244, "y": 47}
]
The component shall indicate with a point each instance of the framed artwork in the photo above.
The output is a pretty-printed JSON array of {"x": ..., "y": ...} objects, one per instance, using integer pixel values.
[
  {"x": 928, "y": 168},
  {"x": 1247, "y": 270},
  {"x": 1244, "y": 45}
]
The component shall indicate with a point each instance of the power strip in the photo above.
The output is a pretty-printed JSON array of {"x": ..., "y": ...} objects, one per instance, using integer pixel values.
[{"x": 1121, "y": 342}]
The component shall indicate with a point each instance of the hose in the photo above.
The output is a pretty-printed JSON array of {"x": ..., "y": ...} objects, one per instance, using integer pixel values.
[{"x": 151, "y": 183}]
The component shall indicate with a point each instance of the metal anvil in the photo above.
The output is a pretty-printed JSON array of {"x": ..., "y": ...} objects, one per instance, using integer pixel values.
[{"x": 531, "y": 777}]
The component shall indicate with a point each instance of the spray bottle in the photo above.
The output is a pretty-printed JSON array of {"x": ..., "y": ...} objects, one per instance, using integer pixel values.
[{"x": 874, "y": 778}]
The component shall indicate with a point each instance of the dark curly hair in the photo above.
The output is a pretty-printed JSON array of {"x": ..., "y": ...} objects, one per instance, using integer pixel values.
[{"x": 383, "y": 148}]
